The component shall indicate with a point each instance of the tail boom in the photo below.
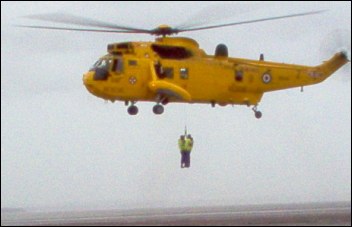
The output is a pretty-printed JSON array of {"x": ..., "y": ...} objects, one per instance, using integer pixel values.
[{"x": 298, "y": 76}]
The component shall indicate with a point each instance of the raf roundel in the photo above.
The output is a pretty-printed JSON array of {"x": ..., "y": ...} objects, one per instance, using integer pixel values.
[{"x": 266, "y": 78}]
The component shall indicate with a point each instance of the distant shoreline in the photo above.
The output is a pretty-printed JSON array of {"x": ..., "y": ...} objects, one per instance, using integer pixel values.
[
  {"x": 131, "y": 207},
  {"x": 306, "y": 214},
  {"x": 12, "y": 210}
]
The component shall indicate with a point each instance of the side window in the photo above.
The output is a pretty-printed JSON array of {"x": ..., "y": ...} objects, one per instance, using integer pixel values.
[
  {"x": 132, "y": 62},
  {"x": 184, "y": 73},
  {"x": 238, "y": 75},
  {"x": 117, "y": 65},
  {"x": 168, "y": 72}
]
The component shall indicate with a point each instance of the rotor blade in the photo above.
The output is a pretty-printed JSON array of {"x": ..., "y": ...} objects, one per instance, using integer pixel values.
[
  {"x": 75, "y": 20},
  {"x": 81, "y": 29},
  {"x": 215, "y": 13},
  {"x": 251, "y": 21}
]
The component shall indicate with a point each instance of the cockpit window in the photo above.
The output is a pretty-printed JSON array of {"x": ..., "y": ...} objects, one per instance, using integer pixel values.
[
  {"x": 115, "y": 64},
  {"x": 102, "y": 63}
]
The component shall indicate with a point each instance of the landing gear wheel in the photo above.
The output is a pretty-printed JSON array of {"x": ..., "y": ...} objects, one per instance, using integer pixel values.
[
  {"x": 258, "y": 114},
  {"x": 158, "y": 109},
  {"x": 132, "y": 110}
]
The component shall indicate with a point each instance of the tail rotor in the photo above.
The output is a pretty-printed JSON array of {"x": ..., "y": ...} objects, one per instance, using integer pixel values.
[{"x": 336, "y": 41}]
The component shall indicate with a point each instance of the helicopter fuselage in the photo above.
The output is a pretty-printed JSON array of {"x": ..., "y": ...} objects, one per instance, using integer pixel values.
[{"x": 175, "y": 69}]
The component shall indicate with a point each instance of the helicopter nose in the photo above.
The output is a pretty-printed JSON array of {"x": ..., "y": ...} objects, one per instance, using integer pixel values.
[{"x": 88, "y": 80}]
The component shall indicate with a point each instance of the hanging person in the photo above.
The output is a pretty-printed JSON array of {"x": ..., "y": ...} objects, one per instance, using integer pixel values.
[
  {"x": 183, "y": 150},
  {"x": 185, "y": 144}
]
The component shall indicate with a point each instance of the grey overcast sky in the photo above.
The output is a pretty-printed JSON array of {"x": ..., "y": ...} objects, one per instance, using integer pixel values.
[{"x": 61, "y": 147}]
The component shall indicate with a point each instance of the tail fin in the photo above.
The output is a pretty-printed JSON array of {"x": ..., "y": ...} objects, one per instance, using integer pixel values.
[{"x": 333, "y": 64}]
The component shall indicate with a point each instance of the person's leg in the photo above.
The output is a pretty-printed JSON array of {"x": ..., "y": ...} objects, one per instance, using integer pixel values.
[
  {"x": 188, "y": 159},
  {"x": 183, "y": 159}
]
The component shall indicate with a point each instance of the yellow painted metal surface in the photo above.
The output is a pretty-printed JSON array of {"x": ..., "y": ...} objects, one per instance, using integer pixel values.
[{"x": 190, "y": 75}]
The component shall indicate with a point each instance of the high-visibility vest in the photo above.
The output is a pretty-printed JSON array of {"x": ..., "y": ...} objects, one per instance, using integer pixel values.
[
  {"x": 182, "y": 144},
  {"x": 189, "y": 144}
]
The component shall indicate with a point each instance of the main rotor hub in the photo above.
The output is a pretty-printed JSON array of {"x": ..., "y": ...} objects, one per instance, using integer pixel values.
[{"x": 164, "y": 30}]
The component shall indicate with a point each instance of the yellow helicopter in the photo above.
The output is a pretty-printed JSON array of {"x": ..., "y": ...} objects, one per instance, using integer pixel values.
[{"x": 176, "y": 69}]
